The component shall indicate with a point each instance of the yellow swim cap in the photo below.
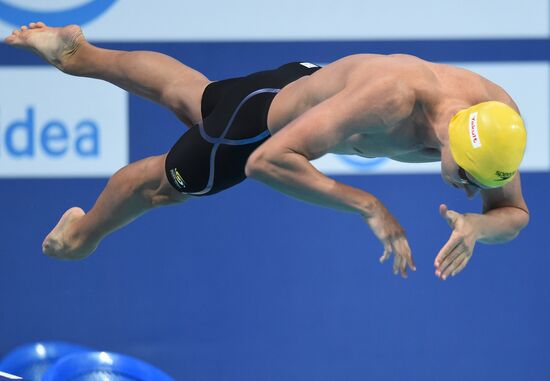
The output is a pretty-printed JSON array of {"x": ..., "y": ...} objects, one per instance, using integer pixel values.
[{"x": 488, "y": 141}]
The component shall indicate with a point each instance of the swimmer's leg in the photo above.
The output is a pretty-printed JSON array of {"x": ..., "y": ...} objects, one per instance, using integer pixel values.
[
  {"x": 152, "y": 75},
  {"x": 130, "y": 192}
]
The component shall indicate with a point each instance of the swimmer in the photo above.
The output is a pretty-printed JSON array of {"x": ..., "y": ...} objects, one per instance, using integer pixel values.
[{"x": 269, "y": 125}]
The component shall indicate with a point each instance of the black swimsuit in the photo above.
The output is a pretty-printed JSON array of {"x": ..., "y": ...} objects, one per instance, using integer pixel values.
[{"x": 212, "y": 155}]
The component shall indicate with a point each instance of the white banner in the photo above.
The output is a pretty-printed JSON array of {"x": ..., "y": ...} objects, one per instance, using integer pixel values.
[
  {"x": 54, "y": 125},
  {"x": 527, "y": 83},
  {"x": 177, "y": 20}
]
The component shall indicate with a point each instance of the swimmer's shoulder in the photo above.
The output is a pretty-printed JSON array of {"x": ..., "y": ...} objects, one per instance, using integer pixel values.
[
  {"x": 378, "y": 65},
  {"x": 479, "y": 89}
]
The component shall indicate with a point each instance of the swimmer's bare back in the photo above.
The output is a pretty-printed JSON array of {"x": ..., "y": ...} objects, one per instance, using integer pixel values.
[{"x": 434, "y": 87}]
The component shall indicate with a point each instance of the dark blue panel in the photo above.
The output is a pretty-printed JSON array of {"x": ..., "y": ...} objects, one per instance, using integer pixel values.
[
  {"x": 242, "y": 55},
  {"x": 251, "y": 285}
]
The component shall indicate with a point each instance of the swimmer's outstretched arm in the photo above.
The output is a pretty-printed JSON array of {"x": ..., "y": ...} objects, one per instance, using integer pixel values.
[
  {"x": 283, "y": 161},
  {"x": 505, "y": 213}
]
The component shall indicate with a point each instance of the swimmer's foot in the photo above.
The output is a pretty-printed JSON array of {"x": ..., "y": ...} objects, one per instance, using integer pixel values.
[
  {"x": 61, "y": 244},
  {"x": 58, "y": 46}
]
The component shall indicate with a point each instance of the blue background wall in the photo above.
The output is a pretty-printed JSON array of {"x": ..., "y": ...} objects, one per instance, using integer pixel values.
[{"x": 251, "y": 285}]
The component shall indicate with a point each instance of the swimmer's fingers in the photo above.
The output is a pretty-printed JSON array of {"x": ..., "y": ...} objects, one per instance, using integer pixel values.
[
  {"x": 403, "y": 256},
  {"x": 397, "y": 264},
  {"x": 391, "y": 234},
  {"x": 453, "y": 265},
  {"x": 400, "y": 261},
  {"x": 405, "y": 252},
  {"x": 443, "y": 270},
  {"x": 458, "y": 249},
  {"x": 454, "y": 241},
  {"x": 387, "y": 253},
  {"x": 460, "y": 266}
]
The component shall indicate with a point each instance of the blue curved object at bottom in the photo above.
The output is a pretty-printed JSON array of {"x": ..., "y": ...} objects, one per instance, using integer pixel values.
[
  {"x": 104, "y": 366},
  {"x": 31, "y": 361}
]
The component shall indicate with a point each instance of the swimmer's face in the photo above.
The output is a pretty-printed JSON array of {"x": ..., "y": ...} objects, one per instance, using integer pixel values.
[{"x": 457, "y": 177}]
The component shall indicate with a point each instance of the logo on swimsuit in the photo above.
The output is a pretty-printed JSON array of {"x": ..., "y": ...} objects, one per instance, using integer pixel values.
[
  {"x": 83, "y": 14},
  {"x": 472, "y": 127},
  {"x": 180, "y": 182}
]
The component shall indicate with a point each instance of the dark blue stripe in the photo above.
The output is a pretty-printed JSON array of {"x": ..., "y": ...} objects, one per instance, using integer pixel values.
[
  {"x": 251, "y": 55},
  {"x": 232, "y": 142}
]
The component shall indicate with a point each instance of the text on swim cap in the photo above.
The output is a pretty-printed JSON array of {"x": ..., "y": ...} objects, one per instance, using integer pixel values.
[{"x": 472, "y": 128}]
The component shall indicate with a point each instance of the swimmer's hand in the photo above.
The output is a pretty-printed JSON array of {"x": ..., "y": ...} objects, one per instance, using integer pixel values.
[
  {"x": 458, "y": 250},
  {"x": 386, "y": 228}
]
